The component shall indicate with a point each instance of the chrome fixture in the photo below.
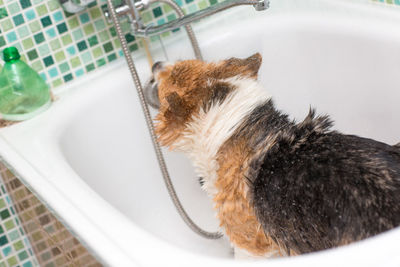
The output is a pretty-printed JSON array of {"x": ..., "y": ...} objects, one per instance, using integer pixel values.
[
  {"x": 75, "y": 6},
  {"x": 130, "y": 9},
  {"x": 148, "y": 30}
]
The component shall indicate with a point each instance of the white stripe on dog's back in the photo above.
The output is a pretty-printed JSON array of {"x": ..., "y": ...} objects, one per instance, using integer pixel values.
[{"x": 208, "y": 131}]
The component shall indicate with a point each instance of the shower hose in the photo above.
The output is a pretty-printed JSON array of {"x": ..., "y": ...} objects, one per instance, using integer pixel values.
[{"x": 149, "y": 122}]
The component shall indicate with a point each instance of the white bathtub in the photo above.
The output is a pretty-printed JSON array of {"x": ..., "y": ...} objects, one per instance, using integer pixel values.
[{"x": 89, "y": 157}]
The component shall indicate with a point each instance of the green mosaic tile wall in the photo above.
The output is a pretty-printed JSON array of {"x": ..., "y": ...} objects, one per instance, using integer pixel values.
[
  {"x": 52, "y": 244},
  {"x": 15, "y": 249},
  {"x": 62, "y": 46}
]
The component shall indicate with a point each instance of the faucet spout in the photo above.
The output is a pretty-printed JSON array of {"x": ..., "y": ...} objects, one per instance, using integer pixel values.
[
  {"x": 261, "y": 5},
  {"x": 75, "y": 6},
  {"x": 144, "y": 31}
]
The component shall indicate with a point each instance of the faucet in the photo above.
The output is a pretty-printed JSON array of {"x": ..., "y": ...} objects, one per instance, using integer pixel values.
[
  {"x": 131, "y": 9},
  {"x": 142, "y": 30},
  {"x": 75, "y": 6}
]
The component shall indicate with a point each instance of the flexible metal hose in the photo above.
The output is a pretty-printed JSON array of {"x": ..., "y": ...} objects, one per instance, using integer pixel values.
[
  {"x": 188, "y": 28},
  {"x": 150, "y": 126}
]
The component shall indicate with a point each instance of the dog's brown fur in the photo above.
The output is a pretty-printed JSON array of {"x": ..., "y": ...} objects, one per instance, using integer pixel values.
[
  {"x": 232, "y": 202},
  {"x": 187, "y": 85}
]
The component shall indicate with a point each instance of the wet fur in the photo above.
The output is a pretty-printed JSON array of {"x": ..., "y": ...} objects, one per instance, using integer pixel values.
[
  {"x": 315, "y": 188},
  {"x": 278, "y": 186}
]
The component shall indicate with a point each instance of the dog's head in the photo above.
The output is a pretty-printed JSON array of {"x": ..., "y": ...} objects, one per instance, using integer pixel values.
[{"x": 187, "y": 86}]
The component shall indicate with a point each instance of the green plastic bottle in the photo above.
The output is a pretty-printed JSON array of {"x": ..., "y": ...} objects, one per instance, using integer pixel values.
[{"x": 23, "y": 93}]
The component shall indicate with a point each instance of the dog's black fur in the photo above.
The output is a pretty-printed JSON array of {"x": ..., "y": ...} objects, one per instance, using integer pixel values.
[{"x": 314, "y": 188}]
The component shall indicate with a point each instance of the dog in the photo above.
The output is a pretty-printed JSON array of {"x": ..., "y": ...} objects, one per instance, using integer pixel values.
[{"x": 279, "y": 187}]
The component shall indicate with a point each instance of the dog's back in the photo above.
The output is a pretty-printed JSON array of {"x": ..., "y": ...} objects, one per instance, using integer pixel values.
[{"x": 316, "y": 189}]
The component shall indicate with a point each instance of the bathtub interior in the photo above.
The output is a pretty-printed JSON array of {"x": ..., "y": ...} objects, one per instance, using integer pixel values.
[{"x": 350, "y": 73}]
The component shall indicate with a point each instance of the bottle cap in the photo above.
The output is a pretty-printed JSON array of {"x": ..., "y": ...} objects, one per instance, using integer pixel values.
[{"x": 10, "y": 53}]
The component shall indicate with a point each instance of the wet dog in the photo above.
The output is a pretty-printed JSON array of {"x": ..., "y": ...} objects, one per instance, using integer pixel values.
[{"x": 279, "y": 186}]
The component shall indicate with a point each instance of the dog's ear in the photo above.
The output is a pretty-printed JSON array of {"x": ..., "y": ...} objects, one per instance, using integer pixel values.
[
  {"x": 237, "y": 66},
  {"x": 178, "y": 110},
  {"x": 253, "y": 64}
]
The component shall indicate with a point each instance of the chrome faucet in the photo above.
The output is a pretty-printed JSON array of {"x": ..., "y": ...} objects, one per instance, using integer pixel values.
[
  {"x": 147, "y": 30},
  {"x": 75, "y": 6},
  {"x": 131, "y": 9}
]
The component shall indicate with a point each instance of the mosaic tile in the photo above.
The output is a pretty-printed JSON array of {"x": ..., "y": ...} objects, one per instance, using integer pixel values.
[
  {"x": 35, "y": 26},
  {"x": 57, "y": 82},
  {"x": 72, "y": 24},
  {"x": 97, "y": 52},
  {"x": 75, "y": 62},
  {"x": 13, "y": 8},
  {"x": 79, "y": 72},
  {"x": 27, "y": 43},
  {"x": 2, "y": 41},
  {"x": 66, "y": 39},
  {"x": 11, "y": 37},
  {"x": 52, "y": 243},
  {"x": 44, "y": 50},
  {"x": 3, "y": 12},
  {"x": 68, "y": 77},
  {"x": 46, "y": 21},
  {"x": 61, "y": 28},
  {"x": 58, "y": 16},
  {"x": 6, "y": 25},
  {"x": 13, "y": 248},
  {"x": 93, "y": 40},
  {"x": 25, "y": 3},
  {"x": 88, "y": 29},
  {"x": 18, "y": 20},
  {"x": 51, "y": 33},
  {"x": 60, "y": 56},
  {"x": 77, "y": 34},
  {"x": 64, "y": 67},
  {"x": 30, "y": 14},
  {"x": 39, "y": 38},
  {"x": 23, "y": 32},
  {"x": 90, "y": 67},
  {"x": 84, "y": 18},
  {"x": 71, "y": 51},
  {"x": 53, "y": 5},
  {"x": 95, "y": 13},
  {"x": 48, "y": 61},
  {"x": 104, "y": 36},
  {"x": 37, "y": 65},
  {"x": 42, "y": 10},
  {"x": 55, "y": 45}
]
